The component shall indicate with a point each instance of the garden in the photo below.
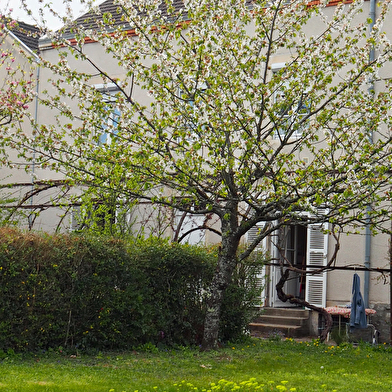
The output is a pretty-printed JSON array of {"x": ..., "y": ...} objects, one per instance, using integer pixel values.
[
  {"x": 88, "y": 313},
  {"x": 253, "y": 365}
]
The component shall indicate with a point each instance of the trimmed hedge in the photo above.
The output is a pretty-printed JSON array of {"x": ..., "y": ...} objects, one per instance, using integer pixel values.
[{"x": 104, "y": 293}]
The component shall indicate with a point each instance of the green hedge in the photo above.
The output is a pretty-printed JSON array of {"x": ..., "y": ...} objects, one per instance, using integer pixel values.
[{"x": 104, "y": 293}]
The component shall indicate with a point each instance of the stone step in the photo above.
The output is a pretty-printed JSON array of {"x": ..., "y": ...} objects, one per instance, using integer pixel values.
[
  {"x": 281, "y": 320},
  {"x": 288, "y": 312},
  {"x": 284, "y": 322},
  {"x": 271, "y": 330}
]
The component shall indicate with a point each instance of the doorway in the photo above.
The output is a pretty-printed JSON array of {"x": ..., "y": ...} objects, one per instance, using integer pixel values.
[{"x": 290, "y": 248}]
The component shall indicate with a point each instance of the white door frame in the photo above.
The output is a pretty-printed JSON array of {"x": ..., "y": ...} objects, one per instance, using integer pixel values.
[
  {"x": 316, "y": 254},
  {"x": 289, "y": 286}
]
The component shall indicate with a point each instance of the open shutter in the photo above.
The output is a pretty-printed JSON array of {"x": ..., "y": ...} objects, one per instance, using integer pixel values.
[
  {"x": 316, "y": 255},
  {"x": 260, "y": 283},
  {"x": 253, "y": 232}
]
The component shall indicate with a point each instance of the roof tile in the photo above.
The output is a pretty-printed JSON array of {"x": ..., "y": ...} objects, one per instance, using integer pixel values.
[{"x": 28, "y": 34}]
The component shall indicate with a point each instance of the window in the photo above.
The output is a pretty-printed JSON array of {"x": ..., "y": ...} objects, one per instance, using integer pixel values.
[
  {"x": 190, "y": 228},
  {"x": 102, "y": 215},
  {"x": 291, "y": 108},
  {"x": 191, "y": 101},
  {"x": 110, "y": 127},
  {"x": 293, "y": 243},
  {"x": 111, "y": 115}
]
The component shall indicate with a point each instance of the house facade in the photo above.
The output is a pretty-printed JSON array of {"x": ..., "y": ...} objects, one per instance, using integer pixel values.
[
  {"x": 16, "y": 72},
  {"x": 31, "y": 195},
  {"x": 302, "y": 244}
]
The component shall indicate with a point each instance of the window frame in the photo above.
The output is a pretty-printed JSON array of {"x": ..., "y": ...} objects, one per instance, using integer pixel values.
[
  {"x": 188, "y": 125},
  {"x": 296, "y": 116},
  {"x": 112, "y": 119}
]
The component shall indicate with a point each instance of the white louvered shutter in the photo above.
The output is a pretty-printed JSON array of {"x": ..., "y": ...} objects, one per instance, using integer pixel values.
[
  {"x": 252, "y": 234},
  {"x": 316, "y": 255}
]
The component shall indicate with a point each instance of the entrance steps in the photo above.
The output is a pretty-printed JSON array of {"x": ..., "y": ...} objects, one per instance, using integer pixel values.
[{"x": 281, "y": 322}]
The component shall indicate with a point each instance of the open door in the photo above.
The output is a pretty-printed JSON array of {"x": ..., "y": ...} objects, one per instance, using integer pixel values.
[
  {"x": 316, "y": 256},
  {"x": 290, "y": 247}
]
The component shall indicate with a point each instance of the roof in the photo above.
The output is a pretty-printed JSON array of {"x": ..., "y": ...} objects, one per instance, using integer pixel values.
[
  {"x": 26, "y": 33},
  {"x": 89, "y": 19}
]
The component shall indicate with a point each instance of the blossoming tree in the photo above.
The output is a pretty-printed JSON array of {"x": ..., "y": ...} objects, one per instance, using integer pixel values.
[
  {"x": 199, "y": 117},
  {"x": 15, "y": 93}
]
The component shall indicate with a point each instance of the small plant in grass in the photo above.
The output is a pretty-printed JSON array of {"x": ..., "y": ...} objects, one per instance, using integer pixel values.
[
  {"x": 147, "y": 348},
  {"x": 225, "y": 385},
  {"x": 338, "y": 336},
  {"x": 275, "y": 336}
]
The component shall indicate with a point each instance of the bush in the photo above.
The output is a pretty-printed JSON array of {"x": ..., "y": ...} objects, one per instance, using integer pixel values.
[
  {"x": 105, "y": 293},
  {"x": 238, "y": 308}
]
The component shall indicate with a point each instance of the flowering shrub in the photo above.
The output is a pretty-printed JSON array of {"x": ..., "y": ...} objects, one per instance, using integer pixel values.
[{"x": 17, "y": 90}]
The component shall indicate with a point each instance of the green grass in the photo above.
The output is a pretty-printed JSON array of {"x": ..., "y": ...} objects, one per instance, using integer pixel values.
[{"x": 270, "y": 366}]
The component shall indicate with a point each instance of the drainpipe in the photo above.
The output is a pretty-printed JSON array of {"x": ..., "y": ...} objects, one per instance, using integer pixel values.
[
  {"x": 390, "y": 287},
  {"x": 368, "y": 235},
  {"x": 367, "y": 260}
]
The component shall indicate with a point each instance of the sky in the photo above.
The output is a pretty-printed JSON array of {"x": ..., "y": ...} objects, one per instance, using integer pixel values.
[{"x": 53, "y": 23}]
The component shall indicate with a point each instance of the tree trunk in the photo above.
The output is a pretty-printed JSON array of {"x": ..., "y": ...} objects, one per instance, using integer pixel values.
[
  {"x": 227, "y": 261},
  {"x": 294, "y": 300}
]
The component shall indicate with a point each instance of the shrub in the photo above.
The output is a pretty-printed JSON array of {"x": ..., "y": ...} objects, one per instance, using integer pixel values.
[
  {"x": 105, "y": 293},
  {"x": 238, "y": 308}
]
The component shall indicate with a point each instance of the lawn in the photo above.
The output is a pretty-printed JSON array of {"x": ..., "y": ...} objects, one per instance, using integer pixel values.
[{"x": 258, "y": 365}]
